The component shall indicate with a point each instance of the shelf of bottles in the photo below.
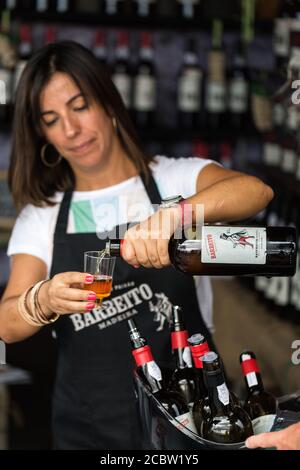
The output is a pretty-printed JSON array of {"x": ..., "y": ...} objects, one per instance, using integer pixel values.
[
  {"x": 280, "y": 161},
  {"x": 153, "y": 14},
  {"x": 196, "y": 76},
  {"x": 213, "y": 95}
]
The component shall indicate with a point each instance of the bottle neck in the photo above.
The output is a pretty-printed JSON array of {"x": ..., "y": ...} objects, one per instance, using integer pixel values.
[
  {"x": 219, "y": 396},
  {"x": 252, "y": 375},
  {"x": 197, "y": 352},
  {"x": 114, "y": 247},
  {"x": 148, "y": 368},
  {"x": 180, "y": 349}
]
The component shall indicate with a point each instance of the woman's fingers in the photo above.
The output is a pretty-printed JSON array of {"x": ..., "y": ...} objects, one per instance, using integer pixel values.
[
  {"x": 62, "y": 298},
  {"x": 67, "y": 307},
  {"x": 69, "y": 278},
  {"x": 69, "y": 293}
]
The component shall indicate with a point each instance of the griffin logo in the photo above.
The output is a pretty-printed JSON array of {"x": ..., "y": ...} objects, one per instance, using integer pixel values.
[{"x": 162, "y": 310}]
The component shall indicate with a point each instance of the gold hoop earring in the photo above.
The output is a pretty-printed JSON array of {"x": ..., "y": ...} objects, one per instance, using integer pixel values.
[{"x": 43, "y": 158}]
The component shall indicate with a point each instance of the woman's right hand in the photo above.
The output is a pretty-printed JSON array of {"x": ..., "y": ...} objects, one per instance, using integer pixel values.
[{"x": 65, "y": 294}]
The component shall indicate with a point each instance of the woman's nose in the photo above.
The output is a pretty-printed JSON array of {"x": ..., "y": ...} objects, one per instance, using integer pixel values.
[{"x": 71, "y": 127}]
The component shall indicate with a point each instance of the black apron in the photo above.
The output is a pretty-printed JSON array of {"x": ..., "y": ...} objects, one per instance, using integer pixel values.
[{"x": 94, "y": 406}]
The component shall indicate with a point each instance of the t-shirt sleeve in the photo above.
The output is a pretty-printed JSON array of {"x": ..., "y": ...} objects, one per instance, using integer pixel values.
[
  {"x": 29, "y": 235},
  {"x": 178, "y": 175}
]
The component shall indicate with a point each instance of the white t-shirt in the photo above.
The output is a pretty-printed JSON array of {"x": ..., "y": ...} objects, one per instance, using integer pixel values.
[{"x": 102, "y": 209}]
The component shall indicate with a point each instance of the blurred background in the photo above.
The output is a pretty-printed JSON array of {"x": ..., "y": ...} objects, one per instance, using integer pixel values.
[{"x": 201, "y": 78}]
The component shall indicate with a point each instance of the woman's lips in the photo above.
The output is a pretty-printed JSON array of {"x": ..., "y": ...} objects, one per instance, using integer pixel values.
[{"x": 83, "y": 147}]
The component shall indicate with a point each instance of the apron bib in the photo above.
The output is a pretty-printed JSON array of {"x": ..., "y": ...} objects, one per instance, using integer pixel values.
[{"x": 94, "y": 406}]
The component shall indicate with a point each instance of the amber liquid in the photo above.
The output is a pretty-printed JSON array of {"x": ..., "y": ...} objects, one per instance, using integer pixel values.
[{"x": 102, "y": 286}]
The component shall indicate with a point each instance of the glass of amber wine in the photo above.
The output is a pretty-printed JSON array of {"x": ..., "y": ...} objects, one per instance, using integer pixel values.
[{"x": 101, "y": 266}]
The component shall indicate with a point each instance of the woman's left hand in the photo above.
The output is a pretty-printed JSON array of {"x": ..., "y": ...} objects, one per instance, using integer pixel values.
[{"x": 146, "y": 244}]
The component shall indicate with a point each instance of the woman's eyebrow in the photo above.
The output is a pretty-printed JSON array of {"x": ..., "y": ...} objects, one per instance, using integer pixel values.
[{"x": 70, "y": 100}]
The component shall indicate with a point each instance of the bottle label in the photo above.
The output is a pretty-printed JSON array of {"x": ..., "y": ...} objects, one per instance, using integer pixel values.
[
  {"x": 189, "y": 86},
  {"x": 223, "y": 393},
  {"x": 260, "y": 283},
  {"x": 272, "y": 154},
  {"x": 62, "y": 5},
  {"x": 271, "y": 288},
  {"x": 278, "y": 114},
  {"x": 234, "y": 245},
  {"x": 282, "y": 37},
  {"x": 263, "y": 423},
  {"x": 145, "y": 93},
  {"x": 289, "y": 160},
  {"x": 238, "y": 95},
  {"x": 185, "y": 421},
  {"x": 283, "y": 292},
  {"x": 123, "y": 84},
  {"x": 251, "y": 379},
  {"x": 187, "y": 356},
  {"x": 216, "y": 97},
  {"x": 42, "y": 5},
  {"x": 154, "y": 370}
]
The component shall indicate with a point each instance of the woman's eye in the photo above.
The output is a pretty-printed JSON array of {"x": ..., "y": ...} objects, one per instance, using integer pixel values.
[
  {"x": 81, "y": 108},
  {"x": 50, "y": 123}
]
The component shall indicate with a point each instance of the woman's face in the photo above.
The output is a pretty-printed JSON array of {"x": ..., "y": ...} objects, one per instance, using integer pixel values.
[{"x": 79, "y": 129}]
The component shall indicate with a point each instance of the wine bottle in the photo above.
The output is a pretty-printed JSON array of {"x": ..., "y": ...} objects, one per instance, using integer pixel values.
[
  {"x": 25, "y": 51},
  {"x": 183, "y": 378},
  {"x": 289, "y": 152},
  {"x": 281, "y": 37},
  {"x": 7, "y": 63},
  {"x": 199, "y": 347},
  {"x": 121, "y": 75},
  {"x": 189, "y": 89},
  {"x": 215, "y": 83},
  {"x": 42, "y": 6},
  {"x": 99, "y": 47},
  {"x": 231, "y": 250},
  {"x": 260, "y": 405},
  {"x": 227, "y": 423},
  {"x": 145, "y": 8},
  {"x": 64, "y": 6},
  {"x": 114, "y": 7},
  {"x": 151, "y": 375},
  {"x": 238, "y": 90},
  {"x": 188, "y": 9},
  {"x": 272, "y": 151},
  {"x": 144, "y": 99}
]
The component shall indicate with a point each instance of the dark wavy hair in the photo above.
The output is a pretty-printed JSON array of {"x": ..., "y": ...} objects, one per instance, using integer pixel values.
[{"x": 29, "y": 180}]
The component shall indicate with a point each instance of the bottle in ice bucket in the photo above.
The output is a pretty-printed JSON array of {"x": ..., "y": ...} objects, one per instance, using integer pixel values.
[
  {"x": 199, "y": 347},
  {"x": 227, "y": 423},
  {"x": 183, "y": 377},
  {"x": 151, "y": 375},
  {"x": 230, "y": 250},
  {"x": 260, "y": 405}
]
